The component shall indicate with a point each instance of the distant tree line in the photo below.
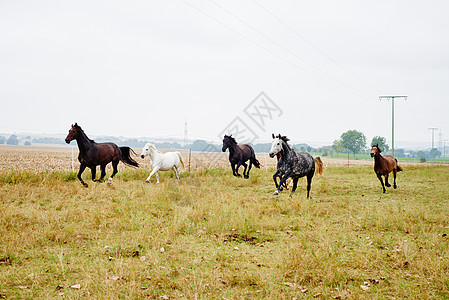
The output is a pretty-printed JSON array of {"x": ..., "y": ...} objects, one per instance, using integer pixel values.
[
  {"x": 47, "y": 140},
  {"x": 351, "y": 141},
  {"x": 12, "y": 140}
]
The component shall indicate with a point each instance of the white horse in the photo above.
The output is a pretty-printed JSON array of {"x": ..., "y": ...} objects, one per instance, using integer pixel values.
[{"x": 162, "y": 161}]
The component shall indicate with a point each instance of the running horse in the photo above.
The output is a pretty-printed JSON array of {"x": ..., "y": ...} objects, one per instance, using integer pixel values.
[
  {"x": 294, "y": 165},
  {"x": 384, "y": 165},
  {"x": 92, "y": 154},
  {"x": 238, "y": 155}
]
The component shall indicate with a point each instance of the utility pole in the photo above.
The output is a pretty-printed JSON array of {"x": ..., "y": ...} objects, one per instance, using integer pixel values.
[
  {"x": 444, "y": 149},
  {"x": 433, "y": 139},
  {"x": 392, "y": 115}
]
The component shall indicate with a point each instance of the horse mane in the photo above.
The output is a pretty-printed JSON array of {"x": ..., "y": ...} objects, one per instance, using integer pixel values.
[
  {"x": 154, "y": 147},
  {"x": 285, "y": 139},
  {"x": 231, "y": 139},
  {"x": 82, "y": 132}
]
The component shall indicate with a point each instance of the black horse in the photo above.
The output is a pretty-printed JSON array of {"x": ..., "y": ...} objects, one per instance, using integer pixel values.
[
  {"x": 92, "y": 154},
  {"x": 294, "y": 165},
  {"x": 238, "y": 155}
]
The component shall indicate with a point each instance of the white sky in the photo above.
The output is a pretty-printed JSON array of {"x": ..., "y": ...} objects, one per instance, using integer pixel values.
[{"x": 142, "y": 68}]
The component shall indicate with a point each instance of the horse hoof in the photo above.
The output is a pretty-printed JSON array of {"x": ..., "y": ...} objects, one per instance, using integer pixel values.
[
  {"x": 147, "y": 181},
  {"x": 290, "y": 196},
  {"x": 395, "y": 186},
  {"x": 276, "y": 192},
  {"x": 246, "y": 176}
]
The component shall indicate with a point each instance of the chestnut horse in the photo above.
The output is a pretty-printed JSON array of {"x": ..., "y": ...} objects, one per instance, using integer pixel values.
[
  {"x": 238, "y": 155},
  {"x": 92, "y": 154},
  {"x": 383, "y": 165}
]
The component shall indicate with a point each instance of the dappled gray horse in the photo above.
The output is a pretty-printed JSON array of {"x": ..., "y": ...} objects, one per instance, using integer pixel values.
[{"x": 292, "y": 164}]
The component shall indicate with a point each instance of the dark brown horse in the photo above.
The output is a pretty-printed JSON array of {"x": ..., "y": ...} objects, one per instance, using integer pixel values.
[
  {"x": 238, "y": 155},
  {"x": 384, "y": 165},
  {"x": 92, "y": 154}
]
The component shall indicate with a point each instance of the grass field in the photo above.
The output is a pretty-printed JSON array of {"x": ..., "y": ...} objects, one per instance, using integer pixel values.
[{"x": 211, "y": 235}]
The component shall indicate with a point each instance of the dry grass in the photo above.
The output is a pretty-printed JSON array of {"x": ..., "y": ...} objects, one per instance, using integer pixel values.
[{"x": 211, "y": 235}]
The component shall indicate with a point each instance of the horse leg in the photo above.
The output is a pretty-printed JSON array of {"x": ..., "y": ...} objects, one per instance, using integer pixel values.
[
  {"x": 93, "y": 170},
  {"x": 309, "y": 182},
  {"x": 295, "y": 184},
  {"x": 249, "y": 168},
  {"x": 386, "y": 181},
  {"x": 176, "y": 172},
  {"x": 114, "y": 170},
  {"x": 245, "y": 174},
  {"x": 275, "y": 176},
  {"x": 237, "y": 169},
  {"x": 103, "y": 172},
  {"x": 394, "y": 179},
  {"x": 82, "y": 167},
  {"x": 233, "y": 169},
  {"x": 157, "y": 177},
  {"x": 281, "y": 182},
  {"x": 151, "y": 174},
  {"x": 381, "y": 181}
]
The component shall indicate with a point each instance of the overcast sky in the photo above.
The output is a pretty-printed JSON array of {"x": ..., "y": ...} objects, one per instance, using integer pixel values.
[{"x": 144, "y": 68}]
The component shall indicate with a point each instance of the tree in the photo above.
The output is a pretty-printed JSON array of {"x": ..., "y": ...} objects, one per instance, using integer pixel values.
[
  {"x": 201, "y": 145},
  {"x": 399, "y": 152},
  {"x": 12, "y": 140},
  {"x": 353, "y": 140},
  {"x": 382, "y": 142},
  {"x": 422, "y": 154},
  {"x": 2, "y": 140},
  {"x": 325, "y": 151},
  {"x": 338, "y": 146},
  {"x": 435, "y": 153}
]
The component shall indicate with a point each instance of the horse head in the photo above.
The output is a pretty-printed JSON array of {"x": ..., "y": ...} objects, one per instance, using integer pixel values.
[
  {"x": 228, "y": 141},
  {"x": 375, "y": 150},
  {"x": 73, "y": 133},
  {"x": 276, "y": 145},
  {"x": 147, "y": 149}
]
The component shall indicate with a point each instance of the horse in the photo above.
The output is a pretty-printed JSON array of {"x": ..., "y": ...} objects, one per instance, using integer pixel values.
[
  {"x": 383, "y": 165},
  {"x": 294, "y": 165},
  {"x": 162, "y": 161},
  {"x": 92, "y": 154},
  {"x": 238, "y": 155}
]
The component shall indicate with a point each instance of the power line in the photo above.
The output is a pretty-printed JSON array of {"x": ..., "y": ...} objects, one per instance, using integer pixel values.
[
  {"x": 315, "y": 47},
  {"x": 286, "y": 49},
  {"x": 268, "y": 50}
]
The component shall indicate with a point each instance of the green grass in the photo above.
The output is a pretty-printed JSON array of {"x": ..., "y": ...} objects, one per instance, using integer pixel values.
[{"x": 211, "y": 235}]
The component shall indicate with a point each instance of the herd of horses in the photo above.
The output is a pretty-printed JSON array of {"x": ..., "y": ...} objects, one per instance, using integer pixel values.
[{"x": 290, "y": 164}]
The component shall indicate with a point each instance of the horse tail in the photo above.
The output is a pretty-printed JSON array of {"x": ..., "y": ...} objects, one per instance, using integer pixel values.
[
  {"x": 180, "y": 159},
  {"x": 126, "y": 157},
  {"x": 255, "y": 162},
  {"x": 398, "y": 168},
  {"x": 319, "y": 167}
]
